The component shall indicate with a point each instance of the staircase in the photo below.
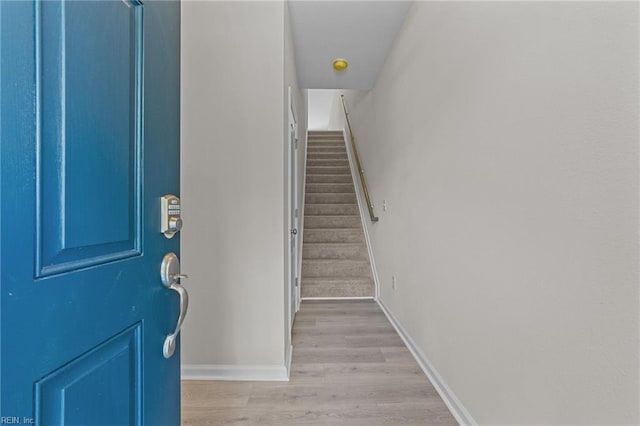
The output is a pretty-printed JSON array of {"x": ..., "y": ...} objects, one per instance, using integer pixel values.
[{"x": 335, "y": 260}]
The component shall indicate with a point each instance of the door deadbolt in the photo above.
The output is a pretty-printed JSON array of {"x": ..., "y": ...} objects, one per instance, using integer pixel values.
[{"x": 170, "y": 220}]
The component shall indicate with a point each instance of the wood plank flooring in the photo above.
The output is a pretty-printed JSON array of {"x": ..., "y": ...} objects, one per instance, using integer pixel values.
[{"x": 349, "y": 367}]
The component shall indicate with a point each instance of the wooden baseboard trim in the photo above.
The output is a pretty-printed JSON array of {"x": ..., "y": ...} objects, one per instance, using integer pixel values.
[
  {"x": 450, "y": 399},
  {"x": 265, "y": 373}
]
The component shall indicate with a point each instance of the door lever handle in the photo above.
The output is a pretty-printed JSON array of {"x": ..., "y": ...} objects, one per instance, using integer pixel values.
[
  {"x": 169, "y": 346},
  {"x": 171, "y": 276}
]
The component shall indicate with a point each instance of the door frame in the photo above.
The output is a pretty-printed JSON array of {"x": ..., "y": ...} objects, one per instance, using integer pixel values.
[{"x": 294, "y": 271}]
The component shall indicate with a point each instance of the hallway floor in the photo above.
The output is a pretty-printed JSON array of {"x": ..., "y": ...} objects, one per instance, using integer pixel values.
[{"x": 349, "y": 367}]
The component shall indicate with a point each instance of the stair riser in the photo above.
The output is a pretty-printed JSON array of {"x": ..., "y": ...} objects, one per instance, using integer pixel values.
[
  {"x": 330, "y": 198},
  {"x": 327, "y": 142},
  {"x": 338, "y": 290},
  {"x": 325, "y": 188},
  {"x": 312, "y": 147},
  {"x": 313, "y": 222},
  {"x": 331, "y": 149},
  {"x": 327, "y": 162},
  {"x": 322, "y": 170},
  {"x": 335, "y": 268},
  {"x": 334, "y": 251},
  {"x": 311, "y": 210},
  {"x": 335, "y": 154},
  {"x": 333, "y": 236},
  {"x": 329, "y": 179},
  {"x": 335, "y": 145},
  {"x": 327, "y": 136},
  {"x": 327, "y": 156}
]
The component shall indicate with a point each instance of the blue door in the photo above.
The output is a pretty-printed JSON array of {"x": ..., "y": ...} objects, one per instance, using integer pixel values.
[{"x": 89, "y": 126}]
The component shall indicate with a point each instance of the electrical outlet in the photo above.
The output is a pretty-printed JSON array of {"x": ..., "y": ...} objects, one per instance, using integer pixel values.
[
  {"x": 394, "y": 282},
  {"x": 384, "y": 205}
]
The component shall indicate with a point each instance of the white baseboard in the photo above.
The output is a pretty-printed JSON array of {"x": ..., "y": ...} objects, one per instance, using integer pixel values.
[
  {"x": 287, "y": 361},
  {"x": 339, "y": 298},
  {"x": 268, "y": 373},
  {"x": 450, "y": 399}
]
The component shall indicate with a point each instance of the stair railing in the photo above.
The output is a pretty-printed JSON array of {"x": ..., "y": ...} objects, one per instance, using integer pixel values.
[{"x": 363, "y": 182}]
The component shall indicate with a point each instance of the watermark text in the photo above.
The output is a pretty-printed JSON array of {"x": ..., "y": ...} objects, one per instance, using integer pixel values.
[{"x": 15, "y": 420}]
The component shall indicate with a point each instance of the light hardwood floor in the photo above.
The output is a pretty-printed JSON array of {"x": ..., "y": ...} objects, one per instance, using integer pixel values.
[{"x": 349, "y": 367}]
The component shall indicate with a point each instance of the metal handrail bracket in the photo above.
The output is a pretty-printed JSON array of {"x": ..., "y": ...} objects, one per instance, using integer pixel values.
[{"x": 363, "y": 182}]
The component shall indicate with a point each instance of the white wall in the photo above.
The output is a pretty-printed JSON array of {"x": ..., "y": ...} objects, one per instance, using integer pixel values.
[
  {"x": 321, "y": 103},
  {"x": 234, "y": 182},
  {"x": 504, "y": 136},
  {"x": 336, "y": 114}
]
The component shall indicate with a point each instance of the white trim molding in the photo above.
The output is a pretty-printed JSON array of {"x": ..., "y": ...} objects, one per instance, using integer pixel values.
[
  {"x": 340, "y": 298},
  {"x": 302, "y": 213},
  {"x": 287, "y": 361},
  {"x": 266, "y": 373},
  {"x": 458, "y": 410}
]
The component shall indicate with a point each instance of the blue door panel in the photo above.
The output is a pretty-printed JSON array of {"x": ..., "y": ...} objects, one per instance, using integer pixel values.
[
  {"x": 95, "y": 389},
  {"x": 88, "y": 84},
  {"x": 89, "y": 126}
]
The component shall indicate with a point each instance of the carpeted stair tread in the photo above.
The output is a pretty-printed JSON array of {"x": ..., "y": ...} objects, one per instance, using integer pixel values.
[
  {"x": 326, "y": 155},
  {"x": 332, "y": 221},
  {"x": 324, "y": 235},
  {"x": 327, "y": 187},
  {"x": 324, "y": 170},
  {"x": 327, "y": 141},
  {"x": 331, "y": 198},
  {"x": 334, "y": 251},
  {"x": 336, "y": 268},
  {"x": 330, "y": 209},
  {"x": 336, "y": 162},
  {"x": 342, "y": 287},
  {"x": 331, "y": 136},
  {"x": 318, "y": 139},
  {"x": 326, "y": 144},
  {"x": 326, "y": 148},
  {"x": 328, "y": 178}
]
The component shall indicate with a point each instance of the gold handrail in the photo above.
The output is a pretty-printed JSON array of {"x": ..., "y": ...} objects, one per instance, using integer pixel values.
[{"x": 372, "y": 215}]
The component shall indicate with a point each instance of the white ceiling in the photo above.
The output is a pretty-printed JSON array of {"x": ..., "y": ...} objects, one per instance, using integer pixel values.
[{"x": 362, "y": 32}]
